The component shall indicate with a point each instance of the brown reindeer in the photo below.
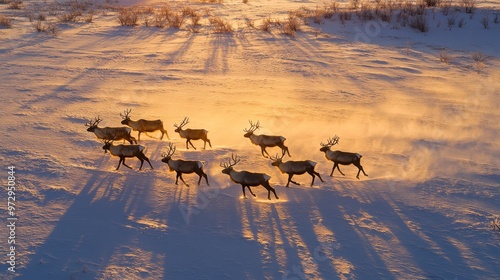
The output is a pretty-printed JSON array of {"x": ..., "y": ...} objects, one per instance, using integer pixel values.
[
  {"x": 125, "y": 151},
  {"x": 192, "y": 134},
  {"x": 247, "y": 179},
  {"x": 339, "y": 157},
  {"x": 143, "y": 125},
  {"x": 295, "y": 168},
  {"x": 109, "y": 133},
  {"x": 265, "y": 141},
  {"x": 183, "y": 166}
]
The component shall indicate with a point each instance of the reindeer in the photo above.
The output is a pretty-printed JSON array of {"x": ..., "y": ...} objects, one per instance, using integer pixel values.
[
  {"x": 109, "y": 133},
  {"x": 192, "y": 134},
  {"x": 295, "y": 168},
  {"x": 143, "y": 125},
  {"x": 265, "y": 140},
  {"x": 183, "y": 166},
  {"x": 125, "y": 151},
  {"x": 247, "y": 179},
  {"x": 339, "y": 157}
]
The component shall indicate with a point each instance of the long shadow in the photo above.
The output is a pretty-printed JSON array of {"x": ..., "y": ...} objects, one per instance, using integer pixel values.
[
  {"x": 448, "y": 247},
  {"x": 221, "y": 45},
  {"x": 91, "y": 230}
]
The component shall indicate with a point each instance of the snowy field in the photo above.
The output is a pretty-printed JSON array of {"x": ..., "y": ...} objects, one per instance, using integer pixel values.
[{"x": 421, "y": 107}]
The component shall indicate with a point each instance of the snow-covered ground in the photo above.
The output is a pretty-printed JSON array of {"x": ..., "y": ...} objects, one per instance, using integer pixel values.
[{"x": 428, "y": 132}]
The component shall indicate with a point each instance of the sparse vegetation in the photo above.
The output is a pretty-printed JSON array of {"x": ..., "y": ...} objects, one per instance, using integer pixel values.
[
  {"x": 495, "y": 224},
  {"x": 431, "y": 3},
  {"x": 461, "y": 22},
  {"x": 478, "y": 57},
  {"x": 291, "y": 26},
  {"x": 451, "y": 21},
  {"x": 345, "y": 16},
  {"x": 250, "y": 23},
  {"x": 128, "y": 16},
  {"x": 220, "y": 25},
  {"x": 71, "y": 16},
  {"x": 5, "y": 21},
  {"x": 469, "y": 5},
  {"x": 445, "y": 57},
  {"x": 420, "y": 23},
  {"x": 176, "y": 19},
  {"x": 485, "y": 21},
  {"x": 266, "y": 24},
  {"x": 46, "y": 27},
  {"x": 15, "y": 4}
]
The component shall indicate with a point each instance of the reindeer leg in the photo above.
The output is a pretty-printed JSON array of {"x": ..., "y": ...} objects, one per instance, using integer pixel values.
[
  {"x": 142, "y": 162},
  {"x": 360, "y": 168},
  {"x": 163, "y": 131},
  {"x": 311, "y": 172},
  {"x": 269, "y": 190},
  {"x": 338, "y": 168},
  {"x": 209, "y": 143},
  {"x": 248, "y": 187},
  {"x": 263, "y": 150},
  {"x": 177, "y": 177},
  {"x": 317, "y": 174},
  {"x": 180, "y": 176},
  {"x": 189, "y": 140},
  {"x": 123, "y": 161},
  {"x": 147, "y": 159},
  {"x": 139, "y": 136},
  {"x": 286, "y": 150},
  {"x": 290, "y": 180},
  {"x": 206, "y": 178},
  {"x": 333, "y": 169},
  {"x": 244, "y": 194},
  {"x": 119, "y": 162}
]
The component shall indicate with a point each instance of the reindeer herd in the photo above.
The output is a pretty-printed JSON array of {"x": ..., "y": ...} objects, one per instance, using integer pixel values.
[{"x": 245, "y": 178}]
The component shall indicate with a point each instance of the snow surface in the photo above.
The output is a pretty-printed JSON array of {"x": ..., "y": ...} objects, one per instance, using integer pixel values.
[{"x": 428, "y": 132}]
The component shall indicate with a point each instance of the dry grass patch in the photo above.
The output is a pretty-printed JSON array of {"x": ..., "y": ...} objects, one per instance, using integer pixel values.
[
  {"x": 445, "y": 57},
  {"x": 128, "y": 16},
  {"x": 5, "y": 21},
  {"x": 46, "y": 27},
  {"x": 291, "y": 26},
  {"x": 16, "y": 4},
  {"x": 266, "y": 24},
  {"x": 220, "y": 25}
]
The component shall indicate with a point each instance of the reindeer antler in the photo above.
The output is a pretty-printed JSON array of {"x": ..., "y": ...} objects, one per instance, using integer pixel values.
[
  {"x": 277, "y": 157},
  {"x": 253, "y": 127},
  {"x": 231, "y": 162},
  {"x": 183, "y": 123},
  {"x": 94, "y": 122},
  {"x": 170, "y": 151},
  {"x": 127, "y": 114},
  {"x": 331, "y": 142}
]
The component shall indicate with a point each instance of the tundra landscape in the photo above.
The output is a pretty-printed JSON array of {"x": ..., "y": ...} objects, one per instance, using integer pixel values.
[{"x": 406, "y": 90}]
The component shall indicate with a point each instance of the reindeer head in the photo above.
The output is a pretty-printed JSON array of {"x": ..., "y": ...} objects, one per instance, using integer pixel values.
[
  {"x": 253, "y": 127},
  {"x": 92, "y": 124},
  {"x": 277, "y": 160},
  {"x": 183, "y": 123},
  {"x": 107, "y": 145},
  {"x": 331, "y": 142},
  {"x": 167, "y": 156},
  {"x": 126, "y": 116},
  {"x": 228, "y": 166}
]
